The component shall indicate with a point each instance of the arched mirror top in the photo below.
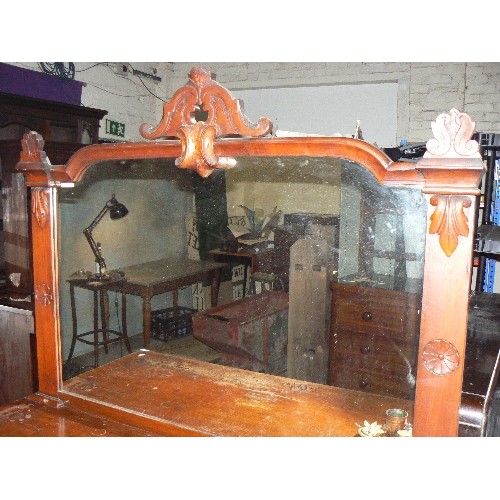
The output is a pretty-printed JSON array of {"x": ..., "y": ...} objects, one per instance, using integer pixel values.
[{"x": 205, "y": 129}]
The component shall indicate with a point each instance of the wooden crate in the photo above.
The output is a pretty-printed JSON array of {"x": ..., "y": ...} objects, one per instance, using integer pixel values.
[{"x": 250, "y": 333}]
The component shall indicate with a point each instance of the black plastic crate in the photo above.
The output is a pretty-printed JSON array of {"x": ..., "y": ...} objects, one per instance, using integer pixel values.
[{"x": 170, "y": 323}]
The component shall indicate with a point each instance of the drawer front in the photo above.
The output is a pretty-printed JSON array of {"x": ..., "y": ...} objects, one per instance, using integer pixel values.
[
  {"x": 373, "y": 364},
  {"x": 368, "y": 317},
  {"x": 373, "y": 352},
  {"x": 375, "y": 311},
  {"x": 374, "y": 381},
  {"x": 374, "y": 340}
]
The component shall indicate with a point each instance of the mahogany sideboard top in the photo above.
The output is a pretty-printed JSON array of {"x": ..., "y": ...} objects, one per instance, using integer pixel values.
[
  {"x": 31, "y": 418},
  {"x": 176, "y": 396}
]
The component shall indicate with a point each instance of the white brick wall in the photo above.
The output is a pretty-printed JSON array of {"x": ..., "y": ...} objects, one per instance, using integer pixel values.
[{"x": 425, "y": 89}]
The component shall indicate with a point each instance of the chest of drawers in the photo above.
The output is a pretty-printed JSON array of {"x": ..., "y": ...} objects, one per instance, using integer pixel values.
[{"x": 374, "y": 337}]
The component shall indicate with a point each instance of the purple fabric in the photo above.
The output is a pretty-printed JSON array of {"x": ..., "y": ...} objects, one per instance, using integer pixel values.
[{"x": 30, "y": 83}]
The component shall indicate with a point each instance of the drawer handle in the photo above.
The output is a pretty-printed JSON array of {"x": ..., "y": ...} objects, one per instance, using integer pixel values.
[
  {"x": 365, "y": 349},
  {"x": 367, "y": 316},
  {"x": 363, "y": 383}
]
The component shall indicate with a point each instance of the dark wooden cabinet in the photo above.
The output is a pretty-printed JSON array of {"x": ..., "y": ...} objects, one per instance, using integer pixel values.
[
  {"x": 374, "y": 337},
  {"x": 65, "y": 129}
]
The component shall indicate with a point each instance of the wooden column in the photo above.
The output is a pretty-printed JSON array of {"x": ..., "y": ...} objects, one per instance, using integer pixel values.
[
  {"x": 41, "y": 177},
  {"x": 46, "y": 289},
  {"x": 448, "y": 266}
]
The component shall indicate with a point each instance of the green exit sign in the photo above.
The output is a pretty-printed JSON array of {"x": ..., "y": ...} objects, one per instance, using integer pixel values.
[{"x": 115, "y": 128}]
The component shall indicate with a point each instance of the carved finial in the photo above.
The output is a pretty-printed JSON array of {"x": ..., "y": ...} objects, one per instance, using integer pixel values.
[
  {"x": 32, "y": 149},
  {"x": 452, "y": 132},
  {"x": 225, "y": 117}
]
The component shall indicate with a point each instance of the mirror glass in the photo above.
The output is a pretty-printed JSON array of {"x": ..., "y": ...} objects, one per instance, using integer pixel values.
[{"x": 298, "y": 267}]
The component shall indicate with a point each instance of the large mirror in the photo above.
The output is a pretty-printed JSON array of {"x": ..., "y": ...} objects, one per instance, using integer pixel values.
[{"x": 301, "y": 267}]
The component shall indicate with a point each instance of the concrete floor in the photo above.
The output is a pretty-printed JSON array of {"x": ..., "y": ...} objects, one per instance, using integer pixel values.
[{"x": 185, "y": 345}]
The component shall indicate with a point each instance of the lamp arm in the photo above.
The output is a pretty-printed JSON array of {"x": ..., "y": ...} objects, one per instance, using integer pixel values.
[
  {"x": 95, "y": 249},
  {"x": 88, "y": 234}
]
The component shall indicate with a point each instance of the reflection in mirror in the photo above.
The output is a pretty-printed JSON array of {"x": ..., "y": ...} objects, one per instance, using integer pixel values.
[{"x": 298, "y": 267}]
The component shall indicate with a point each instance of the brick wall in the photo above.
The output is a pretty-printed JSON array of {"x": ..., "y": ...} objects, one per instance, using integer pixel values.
[{"x": 425, "y": 89}]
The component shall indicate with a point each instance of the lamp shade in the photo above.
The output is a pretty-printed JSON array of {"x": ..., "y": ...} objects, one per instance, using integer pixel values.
[{"x": 117, "y": 210}]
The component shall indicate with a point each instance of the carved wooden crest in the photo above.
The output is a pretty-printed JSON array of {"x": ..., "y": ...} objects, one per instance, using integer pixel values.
[
  {"x": 32, "y": 149},
  {"x": 452, "y": 132},
  {"x": 225, "y": 118},
  {"x": 449, "y": 220}
]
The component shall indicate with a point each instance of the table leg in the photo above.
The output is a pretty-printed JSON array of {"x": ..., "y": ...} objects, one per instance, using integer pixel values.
[
  {"x": 245, "y": 276},
  {"x": 96, "y": 329},
  {"x": 146, "y": 320},
  {"x": 105, "y": 318},
  {"x": 214, "y": 288},
  {"x": 124, "y": 322},
  {"x": 73, "y": 316}
]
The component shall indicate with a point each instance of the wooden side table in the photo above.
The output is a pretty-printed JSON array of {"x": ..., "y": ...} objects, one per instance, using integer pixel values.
[{"x": 101, "y": 309}]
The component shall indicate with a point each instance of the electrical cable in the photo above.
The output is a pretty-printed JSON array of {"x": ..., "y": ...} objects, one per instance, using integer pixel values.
[{"x": 145, "y": 86}]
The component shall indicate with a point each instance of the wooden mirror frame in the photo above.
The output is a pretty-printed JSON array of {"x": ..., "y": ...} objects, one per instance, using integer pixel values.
[{"x": 448, "y": 175}]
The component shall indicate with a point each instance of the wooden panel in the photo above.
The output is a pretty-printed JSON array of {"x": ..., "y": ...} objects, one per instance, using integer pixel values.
[
  {"x": 308, "y": 320},
  {"x": 16, "y": 327}
]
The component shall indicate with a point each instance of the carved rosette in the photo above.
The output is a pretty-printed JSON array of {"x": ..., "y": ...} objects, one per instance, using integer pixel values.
[
  {"x": 440, "y": 357},
  {"x": 449, "y": 220},
  {"x": 43, "y": 294},
  {"x": 225, "y": 117},
  {"x": 40, "y": 206},
  {"x": 452, "y": 132},
  {"x": 32, "y": 151}
]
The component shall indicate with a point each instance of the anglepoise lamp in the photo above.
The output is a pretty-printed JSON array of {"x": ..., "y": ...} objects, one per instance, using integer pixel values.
[{"x": 116, "y": 211}]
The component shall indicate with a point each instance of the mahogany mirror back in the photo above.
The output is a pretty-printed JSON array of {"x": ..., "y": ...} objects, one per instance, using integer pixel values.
[{"x": 202, "y": 395}]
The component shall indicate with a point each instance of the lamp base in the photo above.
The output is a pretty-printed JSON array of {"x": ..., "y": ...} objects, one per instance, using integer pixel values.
[{"x": 113, "y": 276}]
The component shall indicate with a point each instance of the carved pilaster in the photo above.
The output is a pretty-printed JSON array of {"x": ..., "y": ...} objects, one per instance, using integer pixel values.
[
  {"x": 225, "y": 118},
  {"x": 40, "y": 205},
  {"x": 43, "y": 294},
  {"x": 449, "y": 220}
]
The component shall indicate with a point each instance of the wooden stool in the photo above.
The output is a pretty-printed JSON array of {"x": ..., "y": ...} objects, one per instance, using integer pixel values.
[{"x": 101, "y": 308}]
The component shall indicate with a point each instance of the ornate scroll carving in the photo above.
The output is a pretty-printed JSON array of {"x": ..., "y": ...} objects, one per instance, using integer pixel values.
[
  {"x": 225, "y": 117},
  {"x": 452, "y": 132},
  {"x": 449, "y": 220},
  {"x": 32, "y": 149},
  {"x": 440, "y": 357},
  {"x": 40, "y": 206},
  {"x": 43, "y": 294}
]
